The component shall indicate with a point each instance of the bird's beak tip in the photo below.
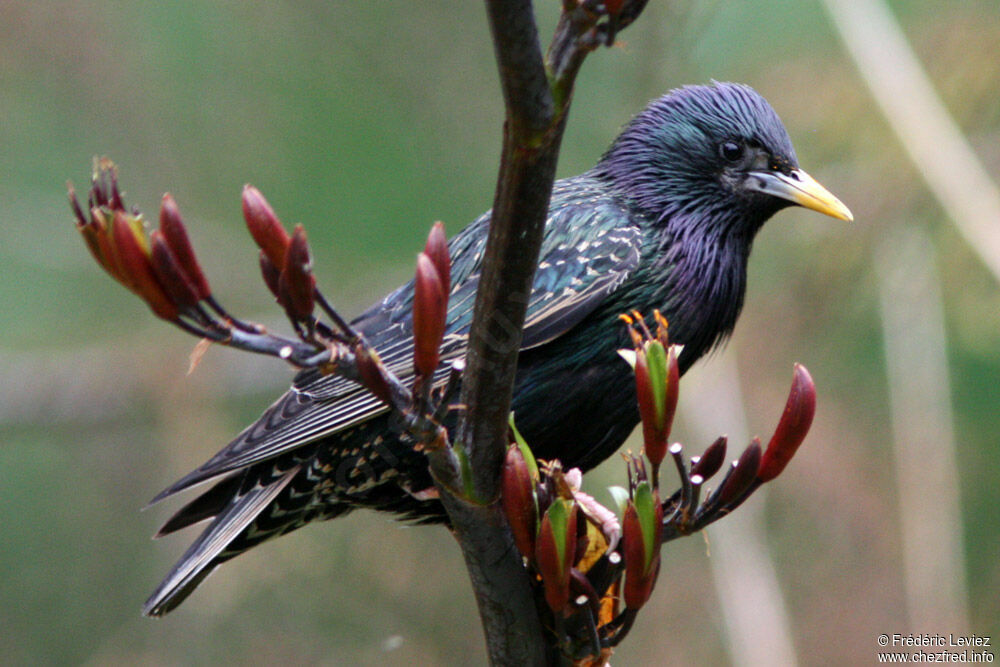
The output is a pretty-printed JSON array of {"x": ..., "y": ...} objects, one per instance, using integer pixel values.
[
  {"x": 802, "y": 189},
  {"x": 807, "y": 192}
]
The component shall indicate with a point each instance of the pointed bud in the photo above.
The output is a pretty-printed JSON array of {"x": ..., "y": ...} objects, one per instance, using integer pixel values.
[
  {"x": 437, "y": 249},
  {"x": 95, "y": 230},
  {"x": 741, "y": 478},
  {"x": 519, "y": 504},
  {"x": 657, "y": 388},
  {"x": 88, "y": 229},
  {"x": 176, "y": 238},
  {"x": 169, "y": 273},
  {"x": 529, "y": 457},
  {"x": 642, "y": 528},
  {"x": 711, "y": 460},
  {"x": 672, "y": 393},
  {"x": 270, "y": 273},
  {"x": 430, "y": 309},
  {"x": 793, "y": 426},
  {"x": 297, "y": 284},
  {"x": 370, "y": 372},
  {"x": 106, "y": 246},
  {"x": 649, "y": 385},
  {"x": 554, "y": 552},
  {"x": 132, "y": 254},
  {"x": 264, "y": 226}
]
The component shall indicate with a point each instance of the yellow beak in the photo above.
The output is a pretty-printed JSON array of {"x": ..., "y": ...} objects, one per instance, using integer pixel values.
[{"x": 800, "y": 188}]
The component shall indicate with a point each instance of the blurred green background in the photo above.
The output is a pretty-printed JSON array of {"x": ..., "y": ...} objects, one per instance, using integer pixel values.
[{"x": 366, "y": 122}]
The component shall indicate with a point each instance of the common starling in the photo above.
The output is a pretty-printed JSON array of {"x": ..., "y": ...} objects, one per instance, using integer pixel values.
[{"x": 665, "y": 220}]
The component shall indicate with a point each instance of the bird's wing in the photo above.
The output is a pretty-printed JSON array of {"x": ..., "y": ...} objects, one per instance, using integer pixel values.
[
  {"x": 199, "y": 560},
  {"x": 586, "y": 254}
]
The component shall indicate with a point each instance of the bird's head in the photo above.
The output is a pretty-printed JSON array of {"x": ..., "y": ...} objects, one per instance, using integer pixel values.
[{"x": 717, "y": 154}]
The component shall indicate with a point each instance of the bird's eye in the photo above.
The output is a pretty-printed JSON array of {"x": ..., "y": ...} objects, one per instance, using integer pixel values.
[{"x": 731, "y": 151}]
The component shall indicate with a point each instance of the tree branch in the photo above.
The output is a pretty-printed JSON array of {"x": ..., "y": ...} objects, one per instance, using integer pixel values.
[{"x": 537, "y": 97}]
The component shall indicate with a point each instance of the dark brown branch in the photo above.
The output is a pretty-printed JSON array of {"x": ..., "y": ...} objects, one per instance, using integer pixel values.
[
  {"x": 527, "y": 170},
  {"x": 537, "y": 96}
]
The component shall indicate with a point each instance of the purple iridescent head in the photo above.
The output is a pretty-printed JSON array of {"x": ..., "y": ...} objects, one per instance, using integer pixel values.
[{"x": 718, "y": 153}]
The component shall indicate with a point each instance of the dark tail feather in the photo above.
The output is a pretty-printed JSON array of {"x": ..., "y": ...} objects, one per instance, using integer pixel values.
[
  {"x": 201, "y": 557},
  {"x": 205, "y": 506}
]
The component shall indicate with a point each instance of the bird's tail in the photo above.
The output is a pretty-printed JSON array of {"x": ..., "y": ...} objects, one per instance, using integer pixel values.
[{"x": 233, "y": 514}]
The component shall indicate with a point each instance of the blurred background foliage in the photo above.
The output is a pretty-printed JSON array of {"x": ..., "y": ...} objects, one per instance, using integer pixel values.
[{"x": 367, "y": 122}]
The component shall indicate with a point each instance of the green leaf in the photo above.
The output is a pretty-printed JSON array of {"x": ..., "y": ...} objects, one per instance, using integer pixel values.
[
  {"x": 529, "y": 457},
  {"x": 645, "y": 508},
  {"x": 656, "y": 360},
  {"x": 559, "y": 520}
]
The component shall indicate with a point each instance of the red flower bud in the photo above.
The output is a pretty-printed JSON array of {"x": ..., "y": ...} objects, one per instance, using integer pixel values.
[
  {"x": 107, "y": 254},
  {"x": 519, "y": 504},
  {"x": 657, "y": 387},
  {"x": 297, "y": 284},
  {"x": 176, "y": 238},
  {"x": 653, "y": 439},
  {"x": 87, "y": 228},
  {"x": 642, "y": 528},
  {"x": 430, "y": 309},
  {"x": 741, "y": 477},
  {"x": 370, "y": 372},
  {"x": 711, "y": 460},
  {"x": 554, "y": 551},
  {"x": 264, "y": 226},
  {"x": 437, "y": 249},
  {"x": 793, "y": 426},
  {"x": 673, "y": 390},
  {"x": 271, "y": 274},
  {"x": 132, "y": 256},
  {"x": 169, "y": 273}
]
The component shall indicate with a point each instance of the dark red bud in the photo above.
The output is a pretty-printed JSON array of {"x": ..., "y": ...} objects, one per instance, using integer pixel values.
[
  {"x": 264, "y": 226},
  {"x": 437, "y": 249},
  {"x": 653, "y": 438},
  {"x": 88, "y": 230},
  {"x": 169, "y": 273},
  {"x": 133, "y": 257},
  {"x": 430, "y": 308},
  {"x": 176, "y": 238},
  {"x": 74, "y": 204},
  {"x": 711, "y": 460},
  {"x": 739, "y": 481},
  {"x": 554, "y": 551},
  {"x": 793, "y": 426},
  {"x": 107, "y": 253},
  {"x": 518, "y": 497},
  {"x": 370, "y": 372},
  {"x": 638, "y": 587},
  {"x": 297, "y": 284},
  {"x": 642, "y": 532},
  {"x": 673, "y": 390},
  {"x": 270, "y": 273}
]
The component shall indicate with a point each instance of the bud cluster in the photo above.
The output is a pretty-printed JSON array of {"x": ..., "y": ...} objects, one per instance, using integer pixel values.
[
  {"x": 160, "y": 267},
  {"x": 594, "y": 571}
]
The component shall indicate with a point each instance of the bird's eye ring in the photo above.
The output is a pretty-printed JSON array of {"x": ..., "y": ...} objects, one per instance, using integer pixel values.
[{"x": 731, "y": 151}]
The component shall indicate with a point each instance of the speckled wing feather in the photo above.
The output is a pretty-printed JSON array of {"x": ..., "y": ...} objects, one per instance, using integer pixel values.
[{"x": 586, "y": 254}]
